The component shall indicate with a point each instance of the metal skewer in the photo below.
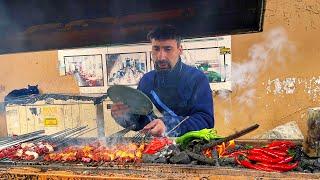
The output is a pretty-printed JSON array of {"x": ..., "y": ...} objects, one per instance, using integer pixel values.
[
  {"x": 12, "y": 139},
  {"x": 65, "y": 134},
  {"x": 20, "y": 141},
  {"x": 174, "y": 128},
  {"x": 48, "y": 137},
  {"x": 75, "y": 136}
]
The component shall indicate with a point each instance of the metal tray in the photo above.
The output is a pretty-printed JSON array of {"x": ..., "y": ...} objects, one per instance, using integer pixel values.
[{"x": 138, "y": 102}]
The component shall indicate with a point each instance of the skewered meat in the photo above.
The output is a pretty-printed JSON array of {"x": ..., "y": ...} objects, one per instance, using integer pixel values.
[
  {"x": 26, "y": 151},
  {"x": 27, "y": 145},
  {"x": 121, "y": 153},
  {"x": 30, "y": 155}
]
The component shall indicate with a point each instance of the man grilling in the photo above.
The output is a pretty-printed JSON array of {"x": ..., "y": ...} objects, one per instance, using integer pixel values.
[{"x": 180, "y": 92}]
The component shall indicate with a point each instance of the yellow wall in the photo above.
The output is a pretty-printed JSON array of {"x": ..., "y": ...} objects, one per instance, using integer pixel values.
[
  {"x": 300, "y": 60},
  {"x": 300, "y": 21},
  {"x": 19, "y": 70}
]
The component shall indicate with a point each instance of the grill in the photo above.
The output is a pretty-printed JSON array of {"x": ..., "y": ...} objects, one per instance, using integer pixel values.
[
  {"x": 57, "y": 138},
  {"x": 34, "y": 170},
  {"x": 40, "y": 169}
]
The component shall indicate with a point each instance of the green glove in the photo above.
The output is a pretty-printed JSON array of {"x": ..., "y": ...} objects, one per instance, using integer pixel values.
[{"x": 204, "y": 134}]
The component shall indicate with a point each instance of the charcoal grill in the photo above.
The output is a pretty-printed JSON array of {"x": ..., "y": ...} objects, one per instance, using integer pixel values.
[{"x": 39, "y": 169}]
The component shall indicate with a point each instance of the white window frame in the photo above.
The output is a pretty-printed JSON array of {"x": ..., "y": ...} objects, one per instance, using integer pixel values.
[{"x": 219, "y": 42}]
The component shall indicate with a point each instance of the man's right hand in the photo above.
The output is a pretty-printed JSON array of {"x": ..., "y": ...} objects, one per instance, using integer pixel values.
[
  {"x": 156, "y": 127},
  {"x": 119, "y": 109}
]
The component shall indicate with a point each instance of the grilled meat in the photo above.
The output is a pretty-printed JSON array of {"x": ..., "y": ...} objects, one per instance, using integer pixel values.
[
  {"x": 26, "y": 151},
  {"x": 121, "y": 153}
]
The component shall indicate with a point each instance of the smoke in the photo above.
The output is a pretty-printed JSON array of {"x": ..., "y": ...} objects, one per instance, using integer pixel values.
[
  {"x": 171, "y": 123},
  {"x": 261, "y": 57},
  {"x": 247, "y": 97}
]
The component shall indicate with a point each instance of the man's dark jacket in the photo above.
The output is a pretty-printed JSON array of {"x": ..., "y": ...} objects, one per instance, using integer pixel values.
[{"x": 186, "y": 91}]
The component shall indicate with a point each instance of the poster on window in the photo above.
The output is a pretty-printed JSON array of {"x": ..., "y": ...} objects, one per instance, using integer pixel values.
[
  {"x": 126, "y": 68},
  {"x": 87, "y": 70},
  {"x": 207, "y": 60}
]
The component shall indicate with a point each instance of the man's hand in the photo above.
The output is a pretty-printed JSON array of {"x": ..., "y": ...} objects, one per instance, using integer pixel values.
[
  {"x": 119, "y": 110},
  {"x": 155, "y": 127}
]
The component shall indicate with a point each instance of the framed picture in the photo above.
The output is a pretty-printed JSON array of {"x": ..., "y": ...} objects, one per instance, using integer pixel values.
[
  {"x": 126, "y": 68},
  {"x": 207, "y": 60},
  {"x": 87, "y": 69},
  {"x": 151, "y": 62}
]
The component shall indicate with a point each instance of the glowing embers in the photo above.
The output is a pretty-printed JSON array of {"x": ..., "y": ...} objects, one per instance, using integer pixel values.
[{"x": 221, "y": 149}]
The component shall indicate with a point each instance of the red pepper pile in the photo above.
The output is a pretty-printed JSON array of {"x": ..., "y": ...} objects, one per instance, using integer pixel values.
[
  {"x": 274, "y": 157},
  {"x": 156, "y": 144}
]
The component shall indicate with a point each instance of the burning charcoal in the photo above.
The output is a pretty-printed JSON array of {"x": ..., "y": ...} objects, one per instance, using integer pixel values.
[
  {"x": 316, "y": 170},
  {"x": 299, "y": 169},
  {"x": 197, "y": 149},
  {"x": 180, "y": 158},
  {"x": 298, "y": 153},
  {"x": 201, "y": 158},
  {"x": 149, "y": 158},
  {"x": 215, "y": 156},
  {"x": 174, "y": 148},
  {"x": 307, "y": 165},
  {"x": 309, "y": 169},
  {"x": 306, "y": 162},
  {"x": 194, "y": 162},
  {"x": 161, "y": 160},
  {"x": 236, "y": 148},
  {"x": 164, "y": 153},
  {"x": 227, "y": 161},
  {"x": 317, "y": 163},
  {"x": 195, "y": 145},
  {"x": 169, "y": 151}
]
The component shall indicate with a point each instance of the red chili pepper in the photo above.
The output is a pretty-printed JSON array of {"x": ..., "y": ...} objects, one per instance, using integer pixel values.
[
  {"x": 280, "y": 167},
  {"x": 156, "y": 144},
  {"x": 262, "y": 154},
  {"x": 249, "y": 165},
  {"x": 279, "y": 144},
  {"x": 282, "y": 147},
  {"x": 259, "y": 152},
  {"x": 270, "y": 152},
  {"x": 236, "y": 158},
  {"x": 286, "y": 160},
  {"x": 236, "y": 153},
  {"x": 282, "y": 153},
  {"x": 263, "y": 159}
]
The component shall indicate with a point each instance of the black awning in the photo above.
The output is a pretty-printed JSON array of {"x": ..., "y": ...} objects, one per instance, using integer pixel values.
[{"x": 35, "y": 25}]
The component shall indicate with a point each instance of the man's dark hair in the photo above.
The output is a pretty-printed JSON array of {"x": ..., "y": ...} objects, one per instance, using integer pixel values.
[{"x": 165, "y": 32}]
